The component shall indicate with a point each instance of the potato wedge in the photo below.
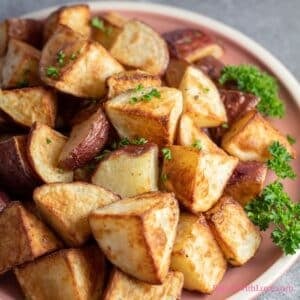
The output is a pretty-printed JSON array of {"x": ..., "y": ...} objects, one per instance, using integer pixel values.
[
  {"x": 76, "y": 274},
  {"x": 20, "y": 66},
  {"x": 16, "y": 173},
  {"x": 155, "y": 120},
  {"x": 175, "y": 71},
  {"x": 250, "y": 137},
  {"x": 195, "y": 250},
  {"x": 66, "y": 206},
  {"x": 197, "y": 178},
  {"x": 210, "y": 66},
  {"x": 4, "y": 200},
  {"x": 140, "y": 47},
  {"x": 44, "y": 148},
  {"x": 192, "y": 44},
  {"x": 28, "y": 105},
  {"x": 238, "y": 238},
  {"x": 137, "y": 234},
  {"x": 26, "y": 30},
  {"x": 201, "y": 99},
  {"x": 76, "y": 17},
  {"x": 23, "y": 237},
  {"x": 120, "y": 286},
  {"x": 247, "y": 181},
  {"x": 86, "y": 140},
  {"x": 128, "y": 80},
  {"x": 129, "y": 171}
]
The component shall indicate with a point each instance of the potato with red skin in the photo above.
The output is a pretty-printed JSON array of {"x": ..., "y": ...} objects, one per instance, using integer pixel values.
[
  {"x": 86, "y": 140},
  {"x": 4, "y": 200},
  {"x": 191, "y": 44},
  {"x": 175, "y": 72},
  {"x": 211, "y": 66}
]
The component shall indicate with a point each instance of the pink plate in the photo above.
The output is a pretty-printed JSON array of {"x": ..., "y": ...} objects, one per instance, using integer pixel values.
[{"x": 269, "y": 263}]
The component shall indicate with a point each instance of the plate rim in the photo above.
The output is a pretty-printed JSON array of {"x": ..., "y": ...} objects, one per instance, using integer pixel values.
[{"x": 286, "y": 78}]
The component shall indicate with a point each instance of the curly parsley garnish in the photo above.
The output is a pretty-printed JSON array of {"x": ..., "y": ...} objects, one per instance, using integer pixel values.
[
  {"x": 250, "y": 79},
  {"x": 197, "y": 144},
  {"x": 167, "y": 154},
  {"x": 52, "y": 72},
  {"x": 145, "y": 97}
]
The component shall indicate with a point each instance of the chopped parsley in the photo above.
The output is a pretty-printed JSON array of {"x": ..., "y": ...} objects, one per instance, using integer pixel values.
[
  {"x": 52, "y": 72},
  {"x": 291, "y": 139},
  {"x": 167, "y": 154},
  {"x": 145, "y": 97},
  {"x": 125, "y": 142},
  {"x": 48, "y": 141},
  {"x": 60, "y": 58},
  {"x": 99, "y": 24},
  {"x": 164, "y": 177},
  {"x": 197, "y": 144},
  {"x": 225, "y": 125}
]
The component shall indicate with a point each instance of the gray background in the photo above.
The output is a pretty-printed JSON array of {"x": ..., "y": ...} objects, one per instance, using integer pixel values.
[{"x": 275, "y": 24}]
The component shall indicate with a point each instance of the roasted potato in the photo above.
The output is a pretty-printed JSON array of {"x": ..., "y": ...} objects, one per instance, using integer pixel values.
[
  {"x": 195, "y": 250},
  {"x": 128, "y": 80},
  {"x": 4, "y": 200},
  {"x": 210, "y": 66},
  {"x": 250, "y": 137},
  {"x": 201, "y": 99},
  {"x": 129, "y": 171},
  {"x": 28, "y": 105},
  {"x": 1, "y": 67},
  {"x": 44, "y": 148},
  {"x": 26, "y": 30},
  {"x": 15, "y": 171},
  {"x": 122, "y": 286},
  {"x": 139, "y": 46},
  {"x": 175, "y": 71},
  {"x": 238, "y": 238},
  {"x": 203, "y": 176},
  {"x": 20, "y": 66},
  {"x": 115, "y": 19},
  {"x": 191, "y": 44},
  {"x": 76, "y": 17},
  {"x": 76, "y": 65},
  {"x": 66, "y": 206},
  {"x": 137, "y": 234},
  {"x": 155, "y": 120},
  {"x": 76, "y": 274},
  {"x": 86, "y": 140},
  {"x": 23, "y": 237}
]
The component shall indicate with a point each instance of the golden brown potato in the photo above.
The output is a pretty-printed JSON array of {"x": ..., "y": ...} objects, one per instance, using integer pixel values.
[
  {"x": 76, "y": 274},
  {"x": 26, "y": 30},
  {"x": 247, "y": 181},
  {"x": 66, "y": 206},
  {"x": 15, "y": 170},
  {"x": 76, "y": 65},
  {"x": 210, "y": 66},
  {"x": 20, "y": 66},
  {"x": 137, "y": 234},
  {"x": 28, "y": 105},
  {"x": 175, "y": 71},
  {"x": 197, "y": 255},
  {"x": 115, "y": 19},
  {"x": 128, "y": 80},
  {"x": 140, "y": 47},
  {"x": 44, "y": 148},
  {"x": 23, "y": 237},
  {"x": 122, "y": 286},
  {"x": 133, "y": 115},
  {"x": 235, "y": 233},
  {"x": 197, "y": 178},
  {"x": 201, "y": 99},
  {"x": 4, "y": 200},
  {"x": 76, "y": 17},
  {"x": 191, "y": 44},
  {"x": 86, "y": 140},
  {"x": 250, "y": 137},
  {"x": 129, "y": 171}
]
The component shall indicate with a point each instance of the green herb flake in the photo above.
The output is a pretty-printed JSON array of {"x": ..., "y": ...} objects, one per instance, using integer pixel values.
[
  {"x": 225, "y": 125},
  {"x": 48, "y": 141},
  {"x": 291, "y": 139},
  {"x": 99, "y": 24},
  {"x": 52, "y": 72},
  {"x": 164, "y": 177},
  {"x": 145, "y": 97},
  {"x": 60, "y": 58},
  {"x": 197, "y": 144},
  {"x": 167, "y": 154},
  {"x": 102, "y": 155}
]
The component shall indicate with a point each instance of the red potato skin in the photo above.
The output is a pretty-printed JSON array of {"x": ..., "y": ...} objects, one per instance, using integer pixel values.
[
  {"x": 4, "y": 200},
  {"x": 211, "y": 66}
]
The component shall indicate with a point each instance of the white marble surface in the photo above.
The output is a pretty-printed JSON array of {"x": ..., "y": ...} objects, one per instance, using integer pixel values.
[{"x": 275, "y": 24}]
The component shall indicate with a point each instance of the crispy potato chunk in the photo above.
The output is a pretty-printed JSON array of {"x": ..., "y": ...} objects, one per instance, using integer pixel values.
[
  {"x": 197, "y": 177},
  {"x": 76, "y": 17},
  {"x": 250, "y": 137},
  {"x": 137, "y": 234},
  {"x": 155, "y": 120},
  {"x": 120, "y": 286},
  {"x": 210, "y": 66},
  {"x": 140, "y": 47},
  {"x": 201, "y": 99},
  {"x": 235, "y": 233},
  {"x": 128, "y": 80},
  {"x": 20, "y": 66},
  {"x": 23, "y": 237},
  {"x": 28, "y": 105},
  {"x": 195, "y": 249},
  {"x": 4, "y": 200},
  {"x": 76, "y": 274},
  {"x": 15, "y": 170},
  {"x": 191, "y": 44},
  {"x": 129, "y": 171},
  {"x": 115, "y": 19},
  {"x": 66, "y": 206},
  {"x": 44, "y": 148},
  {"x": 76, "y": 65},
  {"x": 247, "y": 181}
]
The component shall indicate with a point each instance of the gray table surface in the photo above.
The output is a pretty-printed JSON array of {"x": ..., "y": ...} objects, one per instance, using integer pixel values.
[{"x": 275, "y": 24}]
